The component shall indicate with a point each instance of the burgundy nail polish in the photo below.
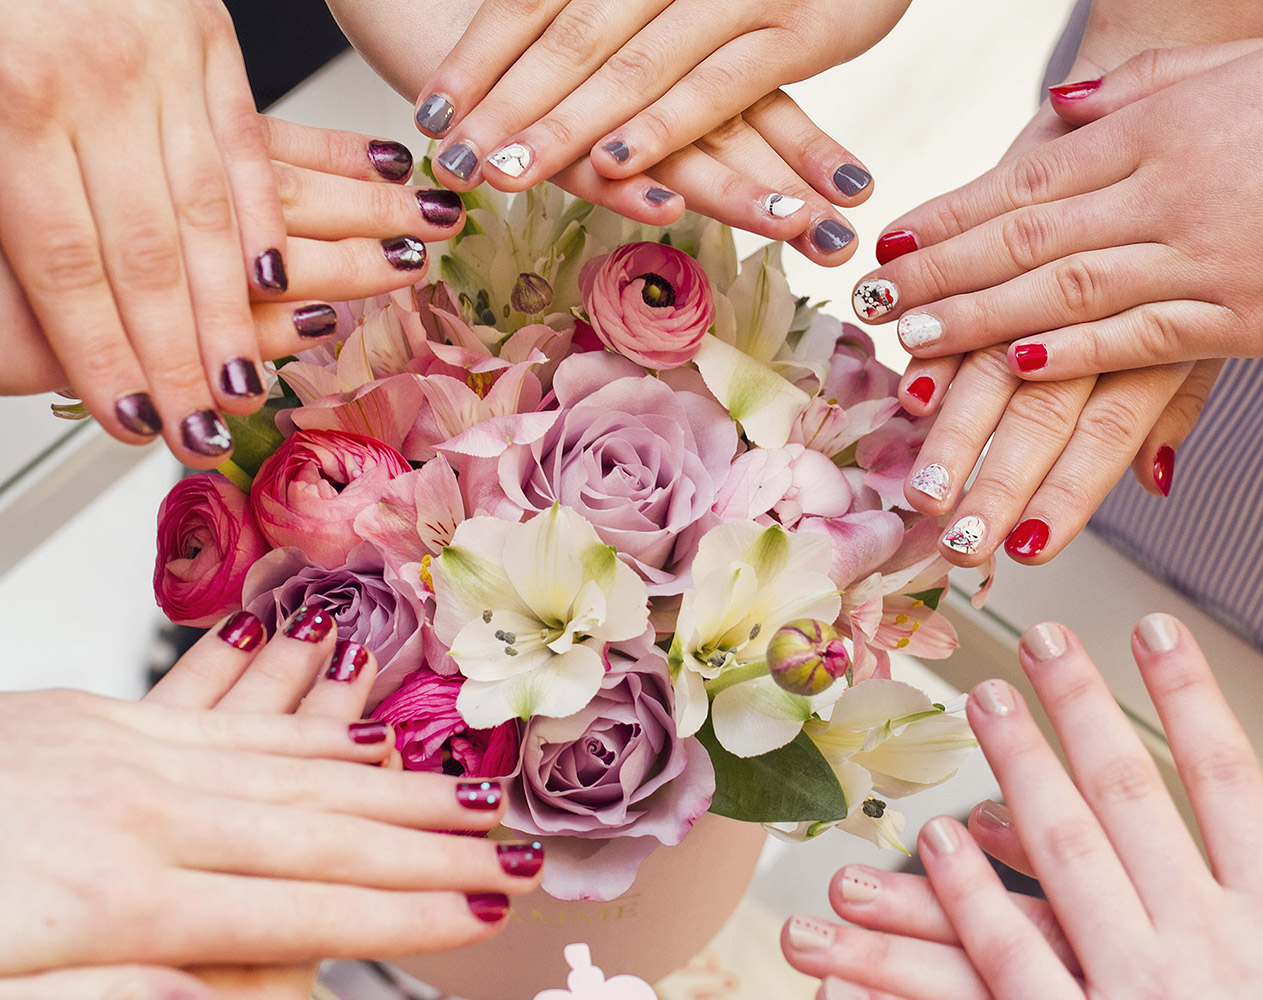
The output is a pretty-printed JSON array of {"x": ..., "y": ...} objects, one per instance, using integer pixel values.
[
  {"x": 1164, "y": 468},
  {"x": 368, "y": 733},
  {"x": 406, "y": 253},
  {"x": 243, "y": 631},
  {"x": 240, "y": 377},
  {"x": 315, "y": 321},
  {"x": 1028, "y": 539},
  {"x": 390, "y": 159},
  {"x": 895, "y": 244},
  {"x": 489, "y": 907},
  {"x": 1030, "y": 357},
  {"x": 349, "y": 658},
  {"x": 203, "y": 432},
  {"x": 309, "y": 624},
  {"x": 481, "y": 795},
  {"x": 439, "y": 207},
  {"x": 921, "y": 389},
  {"x": 1074, "y": 91},
  {"x": 522, "y": 860},
  {"x": 136, "y": 412},
  {"x": 269, "y": 271}
]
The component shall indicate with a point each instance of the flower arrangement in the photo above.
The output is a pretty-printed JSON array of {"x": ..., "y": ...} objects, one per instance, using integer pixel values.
[{"x": 622, "y": 521}]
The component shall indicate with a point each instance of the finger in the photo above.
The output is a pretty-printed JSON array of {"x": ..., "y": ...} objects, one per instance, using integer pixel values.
[
  {"x": 991, "y": 826},
  {"x": 283, "y": 671},
  {"x": 285, "y": 328},
  {"x": 331, "y": 151},
  {"x": 1154, "y": 464},
  {"x": 31, "y": 364},
  {"x": 207, "y": 672},
  {"x": 135, "y": 982},
  {"x": 640, "y": 198},
  {"x": 261, "y": 982},
  {"x": 354, "y": 268},
  {"x": 342, "y": 689},
  {"x": 925, "y": 381}
]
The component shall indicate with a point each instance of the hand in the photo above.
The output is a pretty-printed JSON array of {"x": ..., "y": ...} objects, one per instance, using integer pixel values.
[{"x": 1132, "y": 909}]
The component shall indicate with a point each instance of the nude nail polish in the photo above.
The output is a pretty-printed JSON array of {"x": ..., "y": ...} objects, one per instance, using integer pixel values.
[
  {"x": 240, "y": 378},
  {"x": 934, "y": 481},
  {"x": 830, "y": 236},
  {"x": 482, "y": 796},
  {"x": 874, "y": 298},
  {"x": 918, "y": 329},
  {"x": 851, "y": 180},
  {"x": 136, "y": 412},
  {"x": 405, "y": 253},
  {"x": 993, "y": 697},
  {"x": 809, "y": 934},
  {"x": 391, "y": 160},
  {"x": 458, "y": 160},
  {"x": 309, "y": 624},
  {"x": 1045, "y": 642},
  {"x": 895, "y": 244},
  {"x": 781, "y": 206},
  {"x": 941, "y": 836},
  {"x": 349, "y": 658},
  {"x": 1030, "y": 357},
  {"x": 966, "y": 535},
  {"x": 1158, "y": 632},
  {"x": 514, "y": 159},
  {"x": 921, "y": 389},
  {"x": 618, "y": 150},
  {"x": 521, "y": 860},
  {"x": 440, "y": 207},
  {"x": 994, "y": 815},
  {"x": 368, "y": 733},
  {"x": 315, "y": 321},
  {"x": 1164, "y": 469},
  {"x": 489, "y": 907},
  {"x": 435, "y": 114},
  {"x": 1028, "y": 539},
  {"x": 858, "y": 885},
  {"x": 243, "y": 631},
  {"x": 269, "y": 271},
  {"x": 204, "y": 433}
]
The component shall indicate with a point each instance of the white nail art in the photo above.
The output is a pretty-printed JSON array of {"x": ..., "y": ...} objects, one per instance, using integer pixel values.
[
  {"x": 781, "y": 205},
  {"x": 966, "y": 535},
  {"x": 512, "y": 159},
  {"x": 875, "y": 298},
  {"x": 934, "y": 481},
  {"x": 919, "y": 329}
]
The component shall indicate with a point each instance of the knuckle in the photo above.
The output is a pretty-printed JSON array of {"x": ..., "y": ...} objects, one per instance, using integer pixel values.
[
  {"x": 1027, "y": 236},
  {"x": 72, "y": 262},
  {"x": 149, "y": 258},
  {"x": 1069, "y": 841},
  {"x": 1112, "y": 424},
  {"x": 726, "y": 133},
  {"x": 561, "y": 134},
  {"x": 208, "y": 206},
  {"x": 1077, "y": 286},
  {"x": 951, "y": 215},
  {"x": 1123, "y": 781},
  {"x": 513, "y": 9},
  {"x": 633, "y": 68},
  {"x": 931, "y": 275},
  {"x": 30, "y": 93},
  {"x": 1029, "y": 180},
  {"x": 1045, "y": 408},
  {"x": 1156, "y": 332},
  {"x": 181, "y": 375},
  {"x": 289, "y": 186},
  {"x": 573, "y": 35},
  {"x": 1146, "y": 68},
  {"x": 1222, "y": 767}
]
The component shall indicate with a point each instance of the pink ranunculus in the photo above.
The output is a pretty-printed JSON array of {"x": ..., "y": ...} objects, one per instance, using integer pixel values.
[
  {"x": 207, "y": 541},
  {"x": 648, "y": 302},
  {"x": 309, "y": 490}
]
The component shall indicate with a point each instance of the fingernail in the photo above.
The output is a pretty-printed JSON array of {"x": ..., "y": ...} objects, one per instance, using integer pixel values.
[
  {"x": 405, "y": 253},
  {"x": 921, "y": 389},
  {"x": 309, "y": 624},
  {"x": 933, "y": 480},
  {"x": 830, "y": 236},
  {"x": 269, "y": 271},
  {"x": 858, "y": 885},
  {"x": 851, "y": 180},
  {"x": 1164, "y": 469},
  {"x": 240, "y": 377},
  {"x": 940, "y": 835},
  {"x": 895, "y": 244},
  {"x": 994, "y": 697},
  {"x": 349, "y": 658},
  {"x": 1028, "y": 539},
  {"x": 1074, "y": 91},
  {"x": 966, "y": 535},
  {"x": 315, "y": 321},
  {"x": 832, "y": 988},
  {"x": 809, "y": 934},
  {"x": 875, "y": 298},
  {"x": 522, "y": 860},
  {"x": 918, "y": 329},
  {"x": 781, "y": 205},
  {"x": 1044, "y": 642},
  {"x": 204, "y": 433},
  {"x": 512, "y": 159},
  {"x": 136, "y": 412},
  {"x": 618, "y": 149},
  {"x": 368, "y": 733},
  {"x": 993, "y": 815},
  {"x": 435, "y": 114},
  {"x": 489, "y": 907},
  {"x": 243, "y": 631},
  {"x": 1030, "y": 357},
  {"x": 439, "y": 207},
  {"x": 657, "y": 195},
  {"x": 481, "y": 795},
  {"x": 392, "y": 160},
  {"x": 1158, "y": 632},
  {"x": 458, "y": 160}
]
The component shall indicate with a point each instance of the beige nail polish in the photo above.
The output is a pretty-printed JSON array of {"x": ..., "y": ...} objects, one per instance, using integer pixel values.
[
  {"x": 809, "y": 934},
  {"x": 1158, "y": 632},
  {"x": 994, "y": 815},
  {"x": 858, "y": 885},
  {"x": 940, "y": 835},
  {"x": 1045, "y": 641},
  {"x": 994, "y": 697}
]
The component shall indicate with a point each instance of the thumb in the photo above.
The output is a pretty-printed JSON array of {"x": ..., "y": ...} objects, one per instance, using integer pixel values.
[
  {"x": 1154, "y": 464},
  {"x": 118, "y": 982}
]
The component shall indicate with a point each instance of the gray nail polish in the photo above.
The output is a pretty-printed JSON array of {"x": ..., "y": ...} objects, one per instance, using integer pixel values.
[
  {"x": 851, "y": 180},
  {"x": 391, "y": 160},
  {"x": 315, "y": 321},
  {"x": 458, "y": 160},
  {"x": 656, "y": 195},
  {"x": 239, "y": 377},
  {"x": 407, "y": 253},
  {"x": 435, "y": 114},
  {"x": 831, "y": 236},
  {"x": 269, "y": 271},
  {"x": 136, "y": 412},
  {"x": 618, "y": 150},
  {"x": 204, "y": 433}
]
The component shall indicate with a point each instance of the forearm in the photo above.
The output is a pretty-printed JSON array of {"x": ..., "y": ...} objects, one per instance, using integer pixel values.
[{"x": 1119, "y": 29}]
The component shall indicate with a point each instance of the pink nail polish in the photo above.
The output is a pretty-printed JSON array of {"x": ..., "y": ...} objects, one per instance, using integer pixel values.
[
  {"x": 1030, "y": 357},
  {"x": 522, "y": 860},
  {"x": 368, "y": 733},
  {"x": 349, "y": 658},
  {"x": 1164, "y": 469},
  {"x": 1074, "y": 91},
  {"x": 481, "y": 795},
  {"x": 243, "y": 631},
  {"x": 489, "y": 907},
  {"x": 309, "y": 624}
]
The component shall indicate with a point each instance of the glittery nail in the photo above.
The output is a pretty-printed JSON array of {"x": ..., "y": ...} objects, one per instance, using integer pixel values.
[
  {"x": 481, "y": 795},
  {"x": 309, "y": 624},
  {"x": 966, "y": 535},
  {"x": 489, "y": 907},
  {"x": 349, "y": 658},
  {"x": 435, "y": 114},
  {"x": 243, "y": 631},
  {"x": 458, "y": 160},
  {"x": 933, "y": 480},
  {"x": 521, "y": 860},
  {"x": 918, "y": 329},
  {"x": 875, "y": 297}
]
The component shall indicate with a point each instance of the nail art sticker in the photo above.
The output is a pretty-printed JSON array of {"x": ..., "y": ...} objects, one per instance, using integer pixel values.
[
  {"x": 933, "y": 480},
  {"x": 875, "y": 298},
  {"x": 781, "y": 205},
  {"x": 512, "y": 159},
  {"x": 919, "y": 329},
  {"x": 966, "y": 535}
]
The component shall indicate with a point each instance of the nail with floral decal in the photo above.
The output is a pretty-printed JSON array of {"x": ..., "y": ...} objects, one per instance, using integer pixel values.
[
  {"x": 349, "y": 658},
  {"x": 204, "y": 433},
  {"x": 309, "y": 624},
  {"x": 781, "y": 205},
  {"x": 874, "y": 298},
  {"x": 483, "y": 796},
  {"x": 521, "y": 860},
  {"x": 405, "y": 253},
  {"x": 243, "y": 631},
  {"x": 966, "y": 535},
  {"x": 513, "y": 159},
  {"x": 918, "y": 329},
  {"x": 933, "y": 480}
]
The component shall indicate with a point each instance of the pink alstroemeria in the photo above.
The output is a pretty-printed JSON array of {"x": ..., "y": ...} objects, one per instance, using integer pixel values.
[
  {"x": 416, "y": 515},
  {"x": 790, "y": 483}
]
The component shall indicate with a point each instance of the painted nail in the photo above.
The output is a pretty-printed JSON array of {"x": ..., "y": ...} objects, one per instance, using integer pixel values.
[
  {"x": 1164, "y": 469},
  {"x": 203, "y": 432},
  {"x": 136, "y": 412},
  {"x": 392, "y": 160},
  {"x": 512, "y": 159},
  {"x": 481, "y": 795},
  {"x": 940, "y": 835},
  {"x": 833, "y": 988},
  {"x": 966, "y": 535},
  {"x": 781, "y": 205},
  {"x": 522, "y": 860},
  {"x": 315, "y": 321},
  {"x": 368, "y": 733},
  {"x": 309, "y": 624},
  {"x": 440, "y": 207},
  {"x": 240, "y": 377},
  {"x": 918, "y": 329},
  {"x": 349, "y": 658},
  {"x": 1158, "y": 632},
  {"x": 657, "y": 195},
  {"x": 1074, "y": 91},
  {"x": 934, "y": 481},
  {"x": 1028, "y": 539},
  {"x": 269, "y": 271},
  {"x": 458, "y": 160},
  {"x": 243, "y": 631},
  {"x": 858, "y": 885},
  {"x": 1045, "y": 641},
  {"x": 489, "y": 907},
  {"x": 994, "y": 697},
  {"x": 994, "y": 815},
  {"x": 435, "y": 114},
  {"x": 405, "y": 253},
  {"x": 618, "y": 149},
  {"x": 895, "y": 244},
  {"x": 830, "y": 236},
  {"x": 874, "y": 298},
  {"x": 1030, "y": 357},
  {"x": 851, "y": 180},
  {"x": 809, "y": 934},
  {"x": 921, "y": 389}
]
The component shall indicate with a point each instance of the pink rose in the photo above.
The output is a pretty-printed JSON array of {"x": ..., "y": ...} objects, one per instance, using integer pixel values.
[
  {"x": 309, "y": 490},
  {"x": 207, "y": 540},
  {"x": 648, "y": 302}
]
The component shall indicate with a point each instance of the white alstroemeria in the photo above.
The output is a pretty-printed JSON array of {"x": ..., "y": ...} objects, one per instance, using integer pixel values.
[
  {"x": 748, "y": 581},
  {"x": 527, "y": 609},
  {"x": 868, "y": 816}
]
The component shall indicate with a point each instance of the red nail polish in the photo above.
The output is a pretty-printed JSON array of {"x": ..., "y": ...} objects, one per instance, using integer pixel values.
[
  {"x": 1074, "y": 91},
  {"x": 894, "y": 244},
  {"x": 243, "y": 631},
  {"x": 921, "y": 389},
  {"x": 489, "y": 907},
  {"x": 309, "y": 624},
  {"x": 1164, "y": 468},
  {"x": 368, "y": 733},
  {"x": 1030, "y": 357},
  {"x": 349, "y": 658},
  {"x": 481, "y": 795},
  {"x": 1028, "y": 539},
  {"x": 522, "y": 860}
]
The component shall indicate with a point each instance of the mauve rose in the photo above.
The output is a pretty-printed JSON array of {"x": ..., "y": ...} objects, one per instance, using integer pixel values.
[
  {"x": 648, "y": 302},
  {"x": 309, "y": 490},
  {"x": 207, "y": 541}
]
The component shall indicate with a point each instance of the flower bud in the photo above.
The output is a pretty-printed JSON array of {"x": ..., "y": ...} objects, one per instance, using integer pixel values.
[
  {"x": 806, "y": 656},
  {"x": 531, "y": 294}
]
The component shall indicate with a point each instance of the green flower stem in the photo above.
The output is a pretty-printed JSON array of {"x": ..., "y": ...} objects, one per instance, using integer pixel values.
[{"x": 736, "y": 675}]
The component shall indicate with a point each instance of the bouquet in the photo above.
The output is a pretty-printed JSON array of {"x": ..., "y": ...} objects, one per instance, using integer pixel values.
[{"x": 622, "y": 521}]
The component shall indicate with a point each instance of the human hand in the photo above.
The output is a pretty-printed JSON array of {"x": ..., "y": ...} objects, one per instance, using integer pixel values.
[{"x": 1137, "y": 912}]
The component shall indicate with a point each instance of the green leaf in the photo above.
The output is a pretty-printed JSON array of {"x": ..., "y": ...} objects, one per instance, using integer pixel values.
[
  {"x": 255, "y": 437},
  {"x": 794, "y": 784},
  {"x": 930, "y": 598}
]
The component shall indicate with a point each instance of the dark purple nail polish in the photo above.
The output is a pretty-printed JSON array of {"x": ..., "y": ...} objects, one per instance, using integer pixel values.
[
  {"x": 315, "y": 321},
  {"x": 240, "y": 377},
  {"x": 136, "y": 412},
  {"x": 439, "y": 207},
  {"x": 656, "y": 195},
  {"x": 458, "y": 160},
  {"x": 522, "y": 860},
  {"x": 269, "y": 271},
  {"x": 407, "y": 253},
  {"x": 368, "y": 733},
  {"x": 851, "y": 180},
  {"x": 349, "y": 658},
  {"x": 481, "y": 795},
  {"x": 435, "y": 114},
  {"x": 830, "y": 236},
  {"x": 618, "y": 149},
  {"x": 203, "y": 432},
  {"x": 489, "y": 907},
  {"x": 390, "y": 159},
  {"x": 243, "y": 631},
  {"x": 309, "y": 624}
]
